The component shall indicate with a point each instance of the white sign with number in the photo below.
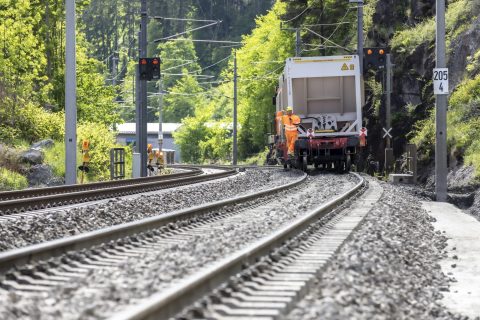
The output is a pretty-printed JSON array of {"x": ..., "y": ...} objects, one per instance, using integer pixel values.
[{"x": 440, "y": 81}]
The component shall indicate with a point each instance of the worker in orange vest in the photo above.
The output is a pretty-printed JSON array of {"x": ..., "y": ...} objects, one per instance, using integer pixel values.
[{"x": 291, "y": 122}]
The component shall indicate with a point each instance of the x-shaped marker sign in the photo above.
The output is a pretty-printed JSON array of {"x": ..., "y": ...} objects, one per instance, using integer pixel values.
[{"x": 387, "y": 133}]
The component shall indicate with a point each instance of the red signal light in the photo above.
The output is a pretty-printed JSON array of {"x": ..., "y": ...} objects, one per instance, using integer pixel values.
[
  {"x": 155, "y": 61},
  {"x": 143, "y": 61},
  {"x": 381, "y": 51},
  {"x": 369, "y": 51}
]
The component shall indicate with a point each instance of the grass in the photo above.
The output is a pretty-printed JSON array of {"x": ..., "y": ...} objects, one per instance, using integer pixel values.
[
  {"x": 463, "y": 121},
  {"x": 10, "y": 158},
  {"x": 55, "y": 157},
  {"x": 11, "y": 180},
  {"x": 458, "y": 14},
  {"x": 258, "y": 159}
]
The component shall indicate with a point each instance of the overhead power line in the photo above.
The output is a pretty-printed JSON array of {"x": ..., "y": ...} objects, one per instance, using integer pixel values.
[
  {"x": 184, "y": 60},
  {"x": 187, "y": 31},
  {"x": 178, "y": 66},
  {"x": 327, "y": 24},
  {"x": 328, "y": 40},
  {"x": 181, "y": 19},
  {"x": 299, "y": 15},
  {"x": 206, "y": 40},
  {"x": 187, "y": 74}
]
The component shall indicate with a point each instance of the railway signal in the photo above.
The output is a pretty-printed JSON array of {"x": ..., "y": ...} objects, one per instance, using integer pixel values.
[
  {"x": 374, "y": 58},
  {"x": 149, "y": 68}
]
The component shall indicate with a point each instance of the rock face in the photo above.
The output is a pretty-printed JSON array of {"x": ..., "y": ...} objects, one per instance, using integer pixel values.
[
  {"x": 42, "y": 174},
  {"x": 464, "y": 46},
  {"x": 43, "y": 144},
  {"x": 462, "y": 178},
  {"x": 32, "y": 156},
  {"x": 475, "y": 208},
  {"x": 422, "y": 8}
]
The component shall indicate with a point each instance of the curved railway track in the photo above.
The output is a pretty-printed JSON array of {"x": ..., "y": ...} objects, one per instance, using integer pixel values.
[
  {"x": 150, "y": 228},
  {"x": 35, "y": 199},
  {"x": 33, "y": 268},
  {"x": 221, "y": 284}
]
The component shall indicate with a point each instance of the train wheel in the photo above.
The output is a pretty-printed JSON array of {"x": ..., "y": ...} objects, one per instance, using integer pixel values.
[{"x": 285, "y": 166}]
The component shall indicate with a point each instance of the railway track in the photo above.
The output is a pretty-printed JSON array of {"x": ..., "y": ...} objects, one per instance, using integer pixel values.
[
  {"x": 264, "y": 280},
  {"x": 149, "y": 228},
  {"x": 33, "y": 269},
  {"x": 12, "y": 202}
]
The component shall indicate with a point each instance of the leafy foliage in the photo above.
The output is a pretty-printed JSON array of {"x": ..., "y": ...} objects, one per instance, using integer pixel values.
[
  {"x": 95, "y": 102},
  {"x": 182, "y": 99},
  {"x": 11, "y": 180},
  {"x": 55, "y": 158},
  {"x": 321, "y": 17},
  {"x": 23, "y": 120},
  {"x": 9, "y": 158},
  {"x": 458, "y": 13},
  {"x": 463, "y": 122},
  {"x": 189, "y": 137},
  {"x": 101, "y": 139},
  {"x": 111, "y": 26},
  {"x": 260, "y": 60}
]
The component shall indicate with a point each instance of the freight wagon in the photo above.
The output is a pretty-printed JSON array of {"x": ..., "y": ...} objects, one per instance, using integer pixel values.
[{"x": 327, "y": 94}]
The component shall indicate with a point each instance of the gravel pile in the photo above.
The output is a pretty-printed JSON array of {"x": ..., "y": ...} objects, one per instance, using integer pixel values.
[
  {"x": 104, "y": 292},
  {"x": 388, "y": 270},
  {"x": 61, "y": 223}
]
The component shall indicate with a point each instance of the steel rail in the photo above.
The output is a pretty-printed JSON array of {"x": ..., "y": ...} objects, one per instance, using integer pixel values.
[
  {"x": 18, "y": 257},
  {"x": 36, "y": 192},
  {"x": 55, "y": 200},
  {"x": 169, "y": 303},
  {"x": 227, "y": 166}
]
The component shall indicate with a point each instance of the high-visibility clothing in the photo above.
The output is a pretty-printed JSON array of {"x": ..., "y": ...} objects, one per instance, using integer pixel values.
[
  {"x": 291, "y": 136},
  {"x": 291, "y": 122}
]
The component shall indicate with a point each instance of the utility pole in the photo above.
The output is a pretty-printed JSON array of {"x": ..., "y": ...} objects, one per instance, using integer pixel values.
[
  {"x": 234, "y": 157},
  {"x": 114, "y": 81},
  {"x": 388, "y": 117},
  {"x": 388, "y": 93},
  {"x": 141, "y": 116},
  {"x": 359, "y": 31},
  {"x": 298, "y": 43},
  {"x": 70, "y": 96},
  {"x": 298, "y": 39},
  {"x": 441, "y": 169},
  {"x": 160, "y": 120},
  {"x": 114, "y": 70}
]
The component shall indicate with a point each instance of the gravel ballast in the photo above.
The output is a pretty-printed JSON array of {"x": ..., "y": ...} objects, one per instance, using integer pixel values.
[
  {"x": 103, "y": 292},
  {"x": 389, "y": 268},
  {"x": 57, "y": 224}
]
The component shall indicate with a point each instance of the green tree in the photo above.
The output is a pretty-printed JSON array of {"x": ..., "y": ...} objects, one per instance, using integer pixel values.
[
  {"x": 192, "y": 132},
  {"x": 178, "y": 57},
  {"x": 95, "y": 100},
  {"x": 260, "y": 61},
  {"x": 331, "y": 19},
  {"x": 182, "y": 99}
]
